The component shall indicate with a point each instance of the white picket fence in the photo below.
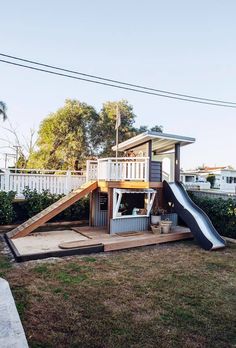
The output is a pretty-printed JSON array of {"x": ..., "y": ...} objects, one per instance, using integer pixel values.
[{"x": 55, "y": 181}]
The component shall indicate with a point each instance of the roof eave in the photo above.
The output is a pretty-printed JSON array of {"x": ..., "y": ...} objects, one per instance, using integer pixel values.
[{"x": 148, "y": 135}]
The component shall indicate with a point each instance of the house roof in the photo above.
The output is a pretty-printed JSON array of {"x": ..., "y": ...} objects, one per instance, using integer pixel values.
[
  {"x": 162, "y": 142},
  {"x": 208, "y": 169}
]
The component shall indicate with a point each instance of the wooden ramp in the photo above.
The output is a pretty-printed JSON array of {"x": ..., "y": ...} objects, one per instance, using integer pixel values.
[{"x": 51, "y": 211}]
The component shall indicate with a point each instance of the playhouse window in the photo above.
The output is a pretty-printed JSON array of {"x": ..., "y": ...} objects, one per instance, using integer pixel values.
[{"x": 128, "y": 203}]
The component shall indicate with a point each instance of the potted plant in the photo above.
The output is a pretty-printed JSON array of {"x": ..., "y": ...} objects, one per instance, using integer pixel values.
[{"x": 156, "y": 215}]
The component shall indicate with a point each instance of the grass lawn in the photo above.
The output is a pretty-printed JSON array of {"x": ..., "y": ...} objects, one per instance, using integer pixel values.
[{"x": 174, "y": 295}]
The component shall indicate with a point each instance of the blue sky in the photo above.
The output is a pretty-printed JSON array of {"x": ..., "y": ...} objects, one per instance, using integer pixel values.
[{"x": 181, "y": 46}]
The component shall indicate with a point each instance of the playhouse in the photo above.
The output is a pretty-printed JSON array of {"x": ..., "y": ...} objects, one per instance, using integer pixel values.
[{"x": 122, "y": 193}]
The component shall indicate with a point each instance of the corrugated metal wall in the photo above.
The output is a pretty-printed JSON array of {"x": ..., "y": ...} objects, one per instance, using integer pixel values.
[
  {"x": 172, "y": 217},
  {"x": 129, "y": 224},
  {"x": 156, "y": 171},
  {"x": 100, "y": 216}
]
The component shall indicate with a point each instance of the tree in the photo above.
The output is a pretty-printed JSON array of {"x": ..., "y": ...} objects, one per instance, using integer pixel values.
[
  {"x": 156, "y": 128},
  {"x": 3, "y": 110},
  {"x": 106, "y": 134},
  {"x": 76, "y": 132},
  {"x": 66, "y": 136},
  {"x": 143, "y": 129},
  {"x": 211, "y": 178}
]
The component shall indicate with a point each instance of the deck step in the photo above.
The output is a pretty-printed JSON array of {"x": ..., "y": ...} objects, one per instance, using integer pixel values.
[
  {"x": 132, "y": 242},
  {"x": 119, "y": 243}
]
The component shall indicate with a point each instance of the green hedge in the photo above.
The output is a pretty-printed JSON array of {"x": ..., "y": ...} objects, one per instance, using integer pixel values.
[
  {"x": 7, "y": 213},
  {"x": 16, "y": 212},
  {"x": 221, "y": 212}
]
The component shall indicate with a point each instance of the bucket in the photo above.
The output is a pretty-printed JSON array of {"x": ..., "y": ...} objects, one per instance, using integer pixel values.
[
  {"x": 166, "y": 226},
  {"x": 156, "y": 229}
]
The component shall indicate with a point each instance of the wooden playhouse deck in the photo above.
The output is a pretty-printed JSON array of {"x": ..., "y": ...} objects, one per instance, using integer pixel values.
[
  {"x": 86, "y": 240},
  {"x": 132, "y": 240}
]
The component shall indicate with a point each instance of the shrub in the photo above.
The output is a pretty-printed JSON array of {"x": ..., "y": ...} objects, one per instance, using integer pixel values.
[
  {"x": 17, "y": 212},
  {"x": 221, "y": 212},
  {"x": 36, "y": 202},
  {"x": 7, "y": 213}
]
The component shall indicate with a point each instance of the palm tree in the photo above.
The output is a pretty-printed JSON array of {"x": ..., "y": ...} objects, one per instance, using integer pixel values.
[{"x": 3, "y": 110}]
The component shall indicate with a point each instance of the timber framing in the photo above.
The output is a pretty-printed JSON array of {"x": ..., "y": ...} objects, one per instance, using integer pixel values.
[{"x": 105, "y": 185}]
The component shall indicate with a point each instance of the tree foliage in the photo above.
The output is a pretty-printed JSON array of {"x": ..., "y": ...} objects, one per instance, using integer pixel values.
[
  {"x": 211, "y": 178},
  {"x": 106, "y": 128},
  {"x": 6, "y": 207},
  {"x": 65, "y": 136},
  {"x": 76, "y": 132},
  {"x": 3, "y": 110}
]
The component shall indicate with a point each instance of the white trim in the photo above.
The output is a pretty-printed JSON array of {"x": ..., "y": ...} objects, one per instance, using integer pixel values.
[
  {"x": 117, "y": 196},
  {"x": 144, "y": 137},
  {"x": 129, "y": 216}
]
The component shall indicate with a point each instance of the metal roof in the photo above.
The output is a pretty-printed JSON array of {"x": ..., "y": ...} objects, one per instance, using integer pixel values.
[{"x": 161, "y": 142}]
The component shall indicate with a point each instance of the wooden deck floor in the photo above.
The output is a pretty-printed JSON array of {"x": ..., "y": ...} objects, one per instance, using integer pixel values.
[{"x": 118, "y": 242}]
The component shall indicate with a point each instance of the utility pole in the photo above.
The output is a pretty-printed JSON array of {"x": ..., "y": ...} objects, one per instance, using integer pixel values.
[
  {"x": 17, "y": 147},
  {"x": 6, "y": 156}
]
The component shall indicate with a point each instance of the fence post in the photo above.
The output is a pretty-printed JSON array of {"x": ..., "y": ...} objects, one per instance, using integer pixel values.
[
  {"x": 98, "y": 169},
  {"x": 68, "y": 181},
  {"x": 87, "y": 170},
  {"x": 7, "y": 180}
]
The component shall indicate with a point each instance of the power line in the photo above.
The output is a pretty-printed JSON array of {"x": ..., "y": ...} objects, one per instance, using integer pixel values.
[
  {"x": 117, "y": 82},
  {"x": 116, "y": 86}
]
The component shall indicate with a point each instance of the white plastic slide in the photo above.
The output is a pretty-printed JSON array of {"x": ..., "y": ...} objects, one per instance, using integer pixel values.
[{"x": 199, "y": 223}]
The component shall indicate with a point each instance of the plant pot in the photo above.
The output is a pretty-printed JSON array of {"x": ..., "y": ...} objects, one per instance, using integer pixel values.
[
  {"x": 166, "y": 226},
  {"x": 155, "y": 219},
  {"x": 172, "y": 217},
  {"x": 156, "y": 229}
]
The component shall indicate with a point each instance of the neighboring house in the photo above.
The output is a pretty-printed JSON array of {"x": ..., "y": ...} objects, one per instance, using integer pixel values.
[
  {"x": 191, "y": 179},
  {"x": 225, "y": 178}
]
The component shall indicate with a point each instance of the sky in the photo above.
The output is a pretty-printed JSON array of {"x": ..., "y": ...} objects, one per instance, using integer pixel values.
[{"x": 180, "y": 46}]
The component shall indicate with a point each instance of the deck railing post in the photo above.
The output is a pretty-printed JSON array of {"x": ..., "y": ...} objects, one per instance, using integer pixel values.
[
  {"x": 146, "y": 163},
  {"x": 98, "y": 170},
  {"x": 87, "y": 170},
  {"x": 108, "y": 170},
  {"x": 68, "y": 185},
  {"x": 7, "y": 180}
]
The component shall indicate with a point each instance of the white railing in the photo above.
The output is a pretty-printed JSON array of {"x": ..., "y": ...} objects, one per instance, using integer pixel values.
[
  {"x": 119, "y": 169},
  {"x": 55, "y": 181},
  {"x": 91, "y": 170},
  {"x": 165, "y": 176}
]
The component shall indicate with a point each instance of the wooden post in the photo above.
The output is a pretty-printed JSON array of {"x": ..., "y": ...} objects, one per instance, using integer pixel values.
[
  {"x": 91, "y": 207},
  {"x": 177, "y": 162},
  {"x": 110, "y": 207},
  {"x": 150, "y": 159}
]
